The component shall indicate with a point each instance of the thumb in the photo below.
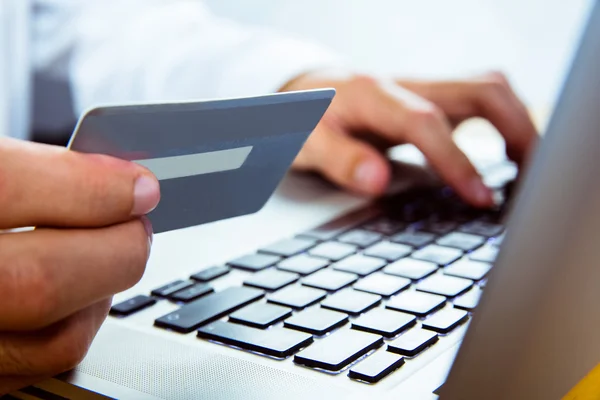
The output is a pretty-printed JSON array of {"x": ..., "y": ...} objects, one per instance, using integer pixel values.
[
  {"x": 346, "y": 161},
  {"x": 51, "y": 186}
]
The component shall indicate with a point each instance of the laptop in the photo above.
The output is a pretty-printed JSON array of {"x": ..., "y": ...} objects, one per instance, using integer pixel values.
[{"x": 413, "y": 296}]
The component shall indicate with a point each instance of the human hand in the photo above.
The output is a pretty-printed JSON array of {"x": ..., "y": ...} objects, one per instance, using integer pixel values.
[
  {"x": 91, "y": 242},
  {"x": 368, "y": 116}
]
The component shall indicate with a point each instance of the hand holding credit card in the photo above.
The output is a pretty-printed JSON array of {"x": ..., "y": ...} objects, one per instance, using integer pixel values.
[{"x": 214, "y": 159}]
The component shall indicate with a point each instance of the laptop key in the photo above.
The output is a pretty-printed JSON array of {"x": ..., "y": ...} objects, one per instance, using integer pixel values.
[
  {"x": 498, "y": 241},
  {"x": 276, "y": 342},
  {"x": 468, "y": 269},
  {"x": 303, "y": 264},
  {"x": 439, "y": 255},
  {"x": 448, "y": 286},
  {"x": 359, "y": 264},
  {"x": 413, "y": 342},
  {"x": 486, "y": 254},
  {"x": 132, "y": 305},
  {"x": 316, "y": 321},
  {"x": 384, "y": 322},
  {"x": 297, "y": 297},
  {"x": 360, "y": 237},
  {"x": 445, "y": 320},
  {"x": 481, "y": 228},
  {"x": 388, "y": 251},
  {"x": 385, "y": 226},
  {"x": 192, "y": 293},
  {"x": 439, "y": 227},
  {"x": 271, "y": 279},
  {"x": 411, "y": 268},
  {"x": 210, "y": 274},
  {"x": 208, "y": 309},
  {"x": 337, "y": 351},
  {"x": 329, "y": 280},
  {"x": 419, "y": 304},
  {"x": 289, "y": 247},
  {"x": 333, "y": 250},
  {"x": 351, "y": 302},
  {"x": 414, "y": 239},
  {"x": 376, "y": 367},
  {"x": 169, "y": 289},
  {"x": 462, "y": 241},
  {"x": 382, "y": 284},
  {"x": 469, "y": 300},
  {"x": 255, "y": 262},
  {"x": 261, "y": 315}
]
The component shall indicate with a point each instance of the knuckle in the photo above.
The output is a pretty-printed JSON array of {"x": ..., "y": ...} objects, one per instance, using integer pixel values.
[
  {"x": 425, "y": 115},
  {"x": 363, "y": 82},
  {"x": 496, "y": 83},
  {"x": 137, "y": 253},
  {"x": 29, "y": 289}
]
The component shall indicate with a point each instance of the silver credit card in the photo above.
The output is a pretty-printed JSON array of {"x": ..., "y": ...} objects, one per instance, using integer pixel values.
[{"x": 214, "y": 159}]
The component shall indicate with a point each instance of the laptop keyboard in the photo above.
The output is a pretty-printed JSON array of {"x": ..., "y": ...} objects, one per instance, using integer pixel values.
[{"x": 363, "y": 294}]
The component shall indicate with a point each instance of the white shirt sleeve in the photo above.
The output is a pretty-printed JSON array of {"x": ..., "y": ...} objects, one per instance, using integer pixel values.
[{"x": 115, "y": 51}]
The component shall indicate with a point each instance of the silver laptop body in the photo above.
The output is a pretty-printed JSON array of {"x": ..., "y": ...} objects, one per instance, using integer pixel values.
[{"x": 533, "y": 336}]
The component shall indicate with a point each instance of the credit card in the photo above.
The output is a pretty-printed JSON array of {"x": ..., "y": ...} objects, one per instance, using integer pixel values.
[{"x": 214, "y": 159}]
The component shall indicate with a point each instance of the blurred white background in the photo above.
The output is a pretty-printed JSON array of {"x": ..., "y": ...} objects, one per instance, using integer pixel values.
[{"x": 531, "y": 40}]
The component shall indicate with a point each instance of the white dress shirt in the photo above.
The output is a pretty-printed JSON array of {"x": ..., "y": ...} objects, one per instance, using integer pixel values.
[
  {"x": 123, "y": 51},
  {"x": 14, "y": 68}
]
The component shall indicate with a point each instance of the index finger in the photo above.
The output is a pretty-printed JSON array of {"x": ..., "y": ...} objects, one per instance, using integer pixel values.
[{"x": 50, "y": 186}]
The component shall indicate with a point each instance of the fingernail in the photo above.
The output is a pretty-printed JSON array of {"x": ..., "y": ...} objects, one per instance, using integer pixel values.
[
  {"x": 149, "y": 232},
  {"x": 366, "y": 175},
  {"x": 148, "y": 228},
  {"x": 146, "y": 195},
  {"x": 481, "y": 193}
]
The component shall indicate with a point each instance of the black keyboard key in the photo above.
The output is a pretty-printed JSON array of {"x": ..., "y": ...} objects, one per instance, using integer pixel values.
[
  {"x": 316, "y": 321},
  {"x": 192, "y": 293},
  {"x": 360, "y": 237},
  {"x": 210, "y": 274},
  {"x": 462, "y": 241},
  {"x": 133, "y": 305},
  {"x": 382, "y": 284},
  {"x": 360, "y": 265},
  {"x": 448, "y": 286},
  {"x": 297, "y": 297},
  {"x": 260, "y": 315},
  {"x": 255, "y": 262},
  {"x": 208, "y": 309},
  {"x": 388, "y": 251},
  {"x": 413, "y": 342},
  {"x": 351, "y": 302},
  {"x": 329, "y": 280},
  {"x": 445, "y": 320},
  {"x": 335, "y": 352},
  {"x": 481, "y": 228},
  {"x": 414, "y": 239},
  {"x": 303, "y": 264},
  {"x": 486, "y": 254},
  {"x": 411, "y": 268},
  {"x": 469, "y": 300},
  {"x": 416, "y": 303},
  {"x": 333, "y": 250},
  {"x": 385, "y": 226},
  {"x": 384, "y": 322},
  {"x": 439, "y": 227},
  {"x": 439, "y": 255},
  {"x": 289, "y": 247},
  {"x": 468, "y": 269},
  {"x": 334, "y": 228},
  {"x": 279, "y": 343},
  {"x": 271, "y": 279},
  {"x": 168, "y": 289},
  {"x": 376, "y": 367}
]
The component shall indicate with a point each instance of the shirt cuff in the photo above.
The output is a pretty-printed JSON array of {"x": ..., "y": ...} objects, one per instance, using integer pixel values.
[{"x": 266, "y": 68}]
